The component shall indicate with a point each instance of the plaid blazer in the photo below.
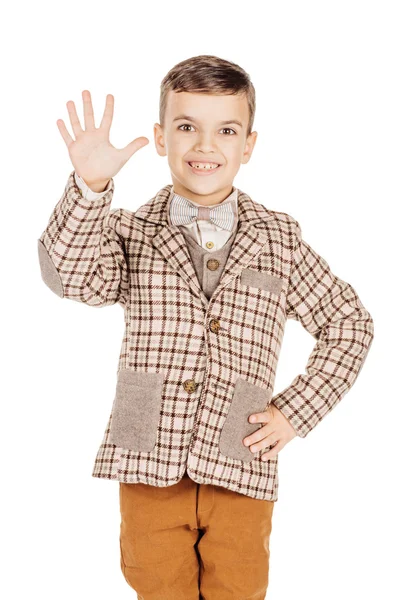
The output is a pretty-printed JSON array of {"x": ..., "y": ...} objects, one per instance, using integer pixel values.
[{"x": 192, "y": 370}]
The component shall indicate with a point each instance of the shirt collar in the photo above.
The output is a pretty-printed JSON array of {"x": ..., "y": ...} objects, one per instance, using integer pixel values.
[
  {"x": 233, "y": 197},
  {"x": 250, "y": 212}
]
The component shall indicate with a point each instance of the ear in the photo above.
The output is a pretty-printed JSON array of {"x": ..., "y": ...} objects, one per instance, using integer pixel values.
[
  {"x": 249, "y": 147},
  {"x": 159, "y": 140}
]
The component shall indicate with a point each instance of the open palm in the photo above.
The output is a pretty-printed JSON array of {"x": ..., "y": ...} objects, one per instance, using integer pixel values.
[{"x": 93, "y": 156}]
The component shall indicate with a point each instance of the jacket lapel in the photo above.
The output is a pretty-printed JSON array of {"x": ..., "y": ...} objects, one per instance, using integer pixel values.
[
  {"x": 251, "y": 238},
  {"x": 171, "y": 243}
]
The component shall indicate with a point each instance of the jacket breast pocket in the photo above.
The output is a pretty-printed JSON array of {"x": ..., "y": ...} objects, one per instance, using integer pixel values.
[
  {"x": 136, "y": 410},
  {"x": 248, "y": 398},
  {"x": 262, "y": 280}
]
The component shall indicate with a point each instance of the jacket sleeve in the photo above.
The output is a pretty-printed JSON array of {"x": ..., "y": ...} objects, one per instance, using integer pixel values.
[
  {"x": 330, "y": 310},
  {"x": 81, "y": 252}
]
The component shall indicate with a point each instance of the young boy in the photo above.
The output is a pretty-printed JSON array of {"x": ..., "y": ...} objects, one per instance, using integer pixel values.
[{"x": 207, "y": 278}]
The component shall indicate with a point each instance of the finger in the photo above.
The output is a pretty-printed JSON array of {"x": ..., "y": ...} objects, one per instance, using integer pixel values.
[
  {"x": 263, "y": 417},
  {"x": 274, "y": 451},
  {"x": 88, "y": 110},
  {"x": 258, "y": 435},
  {"x": 133, "y": 147},
  {"x": 73, "y": 117},
  {"x": 64, "y": 132},
  {"x": 108, "y": 113},
  {"x": 264, "y": 439}
]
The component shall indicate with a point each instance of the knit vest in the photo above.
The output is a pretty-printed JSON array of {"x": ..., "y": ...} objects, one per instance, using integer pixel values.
[{"x": 208, "y": 265}]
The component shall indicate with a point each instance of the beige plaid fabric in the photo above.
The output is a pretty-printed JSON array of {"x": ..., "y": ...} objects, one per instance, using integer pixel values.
[{"x": 191, "y": 371}]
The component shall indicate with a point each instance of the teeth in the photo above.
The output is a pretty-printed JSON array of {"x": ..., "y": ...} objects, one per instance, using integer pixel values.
[{"x": 205, "y": 166}]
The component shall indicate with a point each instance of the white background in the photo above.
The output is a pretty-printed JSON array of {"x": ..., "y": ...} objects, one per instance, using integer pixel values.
[{"x": 327, "y": 82}]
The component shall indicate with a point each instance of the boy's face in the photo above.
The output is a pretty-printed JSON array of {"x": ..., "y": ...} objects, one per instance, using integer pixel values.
[{"x": 211, "y": 134}]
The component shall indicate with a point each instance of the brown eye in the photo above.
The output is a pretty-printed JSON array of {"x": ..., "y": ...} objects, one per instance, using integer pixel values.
[
  {"x": 184, "y": 125},
  {"x": 228, "y": 129}
]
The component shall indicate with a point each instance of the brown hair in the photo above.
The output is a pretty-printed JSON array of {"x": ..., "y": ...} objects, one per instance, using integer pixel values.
[{"x": 209, "y": 75}]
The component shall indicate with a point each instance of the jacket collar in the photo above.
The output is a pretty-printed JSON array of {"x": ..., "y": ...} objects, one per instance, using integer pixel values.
[
  {"x": 252, "y": 236},
  {"x": 156, "y": 209}
]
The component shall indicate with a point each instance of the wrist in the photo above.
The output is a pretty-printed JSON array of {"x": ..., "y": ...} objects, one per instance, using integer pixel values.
[{"x": 97, "y": 186}]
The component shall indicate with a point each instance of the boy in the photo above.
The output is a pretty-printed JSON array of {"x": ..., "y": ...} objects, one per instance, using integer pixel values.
[{"x": 207, "y": 278}]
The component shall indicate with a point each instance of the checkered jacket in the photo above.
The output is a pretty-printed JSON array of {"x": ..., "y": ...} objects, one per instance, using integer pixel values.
[{"x": 192, "y": 370}]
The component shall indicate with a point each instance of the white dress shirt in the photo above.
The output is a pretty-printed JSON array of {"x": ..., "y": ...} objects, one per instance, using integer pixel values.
[{"x": 209, "y": 236}]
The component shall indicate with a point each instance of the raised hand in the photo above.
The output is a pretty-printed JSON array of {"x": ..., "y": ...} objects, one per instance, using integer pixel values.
[{"x": 93, "y": 156}]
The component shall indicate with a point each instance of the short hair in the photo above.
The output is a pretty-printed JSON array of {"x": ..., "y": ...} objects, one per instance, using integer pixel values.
[{"x": 209, "y": 75}]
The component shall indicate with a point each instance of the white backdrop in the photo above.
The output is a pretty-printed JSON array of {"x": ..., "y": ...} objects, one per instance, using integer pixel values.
[{"x": 327, "y": 82}]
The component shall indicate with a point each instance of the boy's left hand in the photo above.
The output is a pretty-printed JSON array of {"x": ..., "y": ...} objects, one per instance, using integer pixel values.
[{"x": 277, "y": 430}]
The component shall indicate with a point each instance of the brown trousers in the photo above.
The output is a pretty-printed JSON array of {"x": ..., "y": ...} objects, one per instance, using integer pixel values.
[{"x": 192, "y": 541}]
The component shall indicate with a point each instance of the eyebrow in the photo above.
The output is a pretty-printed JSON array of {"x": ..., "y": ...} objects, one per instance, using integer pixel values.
[{"x": 187, "y": 118}]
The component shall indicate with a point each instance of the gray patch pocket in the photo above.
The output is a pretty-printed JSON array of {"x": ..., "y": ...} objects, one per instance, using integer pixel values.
[
  {"x": 248, "y": 398},
  {"x": 262, "y": 280},
  {"x": 136, "y": 410}
]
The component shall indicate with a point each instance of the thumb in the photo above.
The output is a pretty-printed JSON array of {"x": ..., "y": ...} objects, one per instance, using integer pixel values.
[{"x": 133, "y": 147}]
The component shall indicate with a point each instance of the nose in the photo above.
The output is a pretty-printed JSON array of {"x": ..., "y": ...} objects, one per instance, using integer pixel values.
[{"x": 205, "y": 143}]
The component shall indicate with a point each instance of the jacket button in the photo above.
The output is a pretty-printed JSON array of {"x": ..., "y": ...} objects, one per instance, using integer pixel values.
[
  {"x": 213, "y": 264},
  {"x": 214, "y": 325},
  {"x": 190, "y": 385}
]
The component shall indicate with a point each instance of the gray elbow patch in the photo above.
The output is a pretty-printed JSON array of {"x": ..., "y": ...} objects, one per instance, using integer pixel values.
[{"x": 49, "y": 272}]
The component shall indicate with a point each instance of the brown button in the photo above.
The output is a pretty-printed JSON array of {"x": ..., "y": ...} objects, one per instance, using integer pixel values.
[
  {"x": 214, "y": 325},
  {"x": 210, "y": 244},
  {"x": 213, "y": 264},
  {"x": 190, "y": 385}
]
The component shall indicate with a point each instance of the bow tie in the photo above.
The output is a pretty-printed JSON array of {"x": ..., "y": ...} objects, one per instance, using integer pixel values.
[{"x": 183, "y": 212}]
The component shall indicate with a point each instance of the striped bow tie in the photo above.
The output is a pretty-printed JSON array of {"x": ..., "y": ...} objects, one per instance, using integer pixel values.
[{"x": 183, "y": 212}]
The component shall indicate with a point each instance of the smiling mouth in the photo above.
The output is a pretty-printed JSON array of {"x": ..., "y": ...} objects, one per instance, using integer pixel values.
[{"x": 203, "y": 165}]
